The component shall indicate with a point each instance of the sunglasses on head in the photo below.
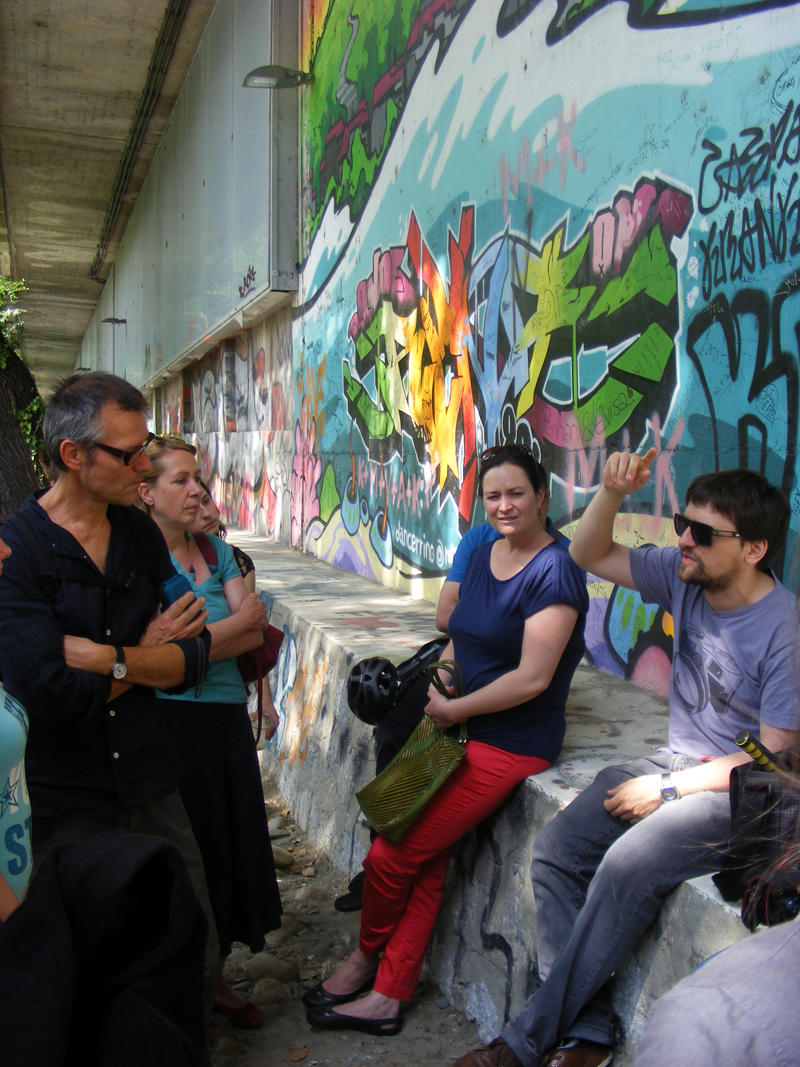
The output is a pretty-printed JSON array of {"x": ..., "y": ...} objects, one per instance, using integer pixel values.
[
  {"x": 173, "y": 438},
  {"x": 509, "y": 450},
  {"x": 702, "y": 533}
]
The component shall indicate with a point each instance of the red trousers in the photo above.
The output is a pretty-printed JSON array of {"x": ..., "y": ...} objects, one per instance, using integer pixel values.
[{"x": 404, "y": 884}]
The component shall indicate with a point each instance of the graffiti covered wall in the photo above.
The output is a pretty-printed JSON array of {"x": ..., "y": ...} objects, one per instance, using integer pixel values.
[
  {"x": 575, "y": 226},
  {"x": 237, "y": 405}
]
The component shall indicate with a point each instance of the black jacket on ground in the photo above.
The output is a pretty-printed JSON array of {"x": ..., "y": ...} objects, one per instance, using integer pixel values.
[{"x": 102, "y": 964}]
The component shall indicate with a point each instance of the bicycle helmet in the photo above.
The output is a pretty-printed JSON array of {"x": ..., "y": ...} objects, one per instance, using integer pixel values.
[{"x": 371, "y": 689}]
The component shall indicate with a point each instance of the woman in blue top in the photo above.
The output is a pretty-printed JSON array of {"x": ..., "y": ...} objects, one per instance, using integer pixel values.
[
  {"x": 15, "y": 805},
  {"x": 517, "y": 633},
  {"x": 221, "y": 785}
]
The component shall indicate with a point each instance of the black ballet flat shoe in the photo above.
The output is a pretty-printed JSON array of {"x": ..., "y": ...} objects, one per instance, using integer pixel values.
[
  {"x": 319, "y": 998},
  {"x": 334, "y": 1020}
]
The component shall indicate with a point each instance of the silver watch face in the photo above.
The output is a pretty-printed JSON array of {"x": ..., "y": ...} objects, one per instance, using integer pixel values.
[
  {"x": 118, "y": 671},
  {"x": 670, "y": 793}
]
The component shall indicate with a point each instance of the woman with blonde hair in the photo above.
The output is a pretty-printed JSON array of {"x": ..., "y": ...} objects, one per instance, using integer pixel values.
[{"x": 221, "y": 787}]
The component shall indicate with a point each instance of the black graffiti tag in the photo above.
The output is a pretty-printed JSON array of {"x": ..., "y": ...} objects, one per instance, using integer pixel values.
[
  {"x": 749, "y": 164},
  {"x": 248, "y": 282},
  {"x": 746, "y": 242}
]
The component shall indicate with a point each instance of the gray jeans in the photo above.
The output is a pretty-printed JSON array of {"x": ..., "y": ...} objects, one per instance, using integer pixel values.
[{"x": 598, "y": 884}]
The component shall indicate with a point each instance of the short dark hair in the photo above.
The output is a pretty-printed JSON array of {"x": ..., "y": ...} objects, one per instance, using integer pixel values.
[
  {"x": 73, "y": 412},
  {"x": 517, "y": 456},
  {"x": 757, "y": 509}
]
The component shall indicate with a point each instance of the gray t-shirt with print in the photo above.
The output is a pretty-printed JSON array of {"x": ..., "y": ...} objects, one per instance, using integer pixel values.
[{"x": 731, "y": 670}]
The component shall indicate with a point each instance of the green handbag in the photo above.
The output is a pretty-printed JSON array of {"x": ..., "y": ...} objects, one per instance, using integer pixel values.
[{"x": 392, "y": 801}]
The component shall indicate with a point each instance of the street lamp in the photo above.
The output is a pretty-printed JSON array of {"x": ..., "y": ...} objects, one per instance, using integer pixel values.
[{"x": 274, "y": 77}]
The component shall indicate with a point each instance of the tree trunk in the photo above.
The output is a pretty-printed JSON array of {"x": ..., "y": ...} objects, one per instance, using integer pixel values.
[{"x": 18, "y": 475}]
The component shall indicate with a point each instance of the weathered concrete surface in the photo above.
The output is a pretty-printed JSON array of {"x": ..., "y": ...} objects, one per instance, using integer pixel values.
[
  {"x": 484, "y": 951},
  {"x": 71, "y": 78}
]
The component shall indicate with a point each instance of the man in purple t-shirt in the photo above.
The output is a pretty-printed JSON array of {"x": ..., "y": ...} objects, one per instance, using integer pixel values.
[{"x": 603, "y": 865}]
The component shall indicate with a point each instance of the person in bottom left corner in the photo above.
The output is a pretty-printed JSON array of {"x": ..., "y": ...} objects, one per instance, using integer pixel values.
[{"x": 15, "y": 805}]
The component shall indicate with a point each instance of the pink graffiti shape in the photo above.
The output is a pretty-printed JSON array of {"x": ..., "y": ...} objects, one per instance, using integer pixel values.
[
  {"x": 306, "y": 473},
  {"x": 675, "y": 209},
  {"x": 631, "y": 218},
  {"x": 564, "y": 146},
  {"x": 603, "y": 244}
]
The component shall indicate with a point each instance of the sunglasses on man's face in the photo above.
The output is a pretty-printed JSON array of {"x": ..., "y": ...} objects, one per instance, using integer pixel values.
[
  {"x": 128, "y": 457},
  {"x": 702, "y": 533}
]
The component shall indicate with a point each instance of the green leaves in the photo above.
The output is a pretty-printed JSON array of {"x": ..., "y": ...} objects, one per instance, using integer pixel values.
[{"x": 10, "y": 317}]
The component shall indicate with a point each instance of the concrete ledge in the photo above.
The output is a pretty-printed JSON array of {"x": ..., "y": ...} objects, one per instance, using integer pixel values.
[{"x": 484, "y": 950}]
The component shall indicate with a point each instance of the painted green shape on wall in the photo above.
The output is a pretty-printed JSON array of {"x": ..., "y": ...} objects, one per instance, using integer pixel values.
[
  {"x": 362, "y": 42},
  {"x": 329, "y": 499},
  {"x": 379, "y": 424},
  {"x": 649, "y": 271},
  {"x": 608, "y": 410},
  {"x": 627, "y": 611},
  {"x": 647, "y": 356},
  {"x": 639, "y": 623}
]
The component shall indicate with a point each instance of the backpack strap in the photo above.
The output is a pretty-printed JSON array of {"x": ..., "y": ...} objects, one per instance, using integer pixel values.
[
  {"x": 43, "y": 559},
  {"x": 207, "y": 550}
]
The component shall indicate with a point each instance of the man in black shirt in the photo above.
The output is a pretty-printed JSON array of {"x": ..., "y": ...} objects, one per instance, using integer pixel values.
[{"x": 82, "y": 645}]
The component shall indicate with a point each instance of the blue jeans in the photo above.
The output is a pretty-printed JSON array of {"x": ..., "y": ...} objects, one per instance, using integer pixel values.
[{"x": 598, "y": 884}]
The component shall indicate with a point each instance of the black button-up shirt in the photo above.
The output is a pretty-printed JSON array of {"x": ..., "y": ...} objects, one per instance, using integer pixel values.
[{"x": 85, "y": 756}]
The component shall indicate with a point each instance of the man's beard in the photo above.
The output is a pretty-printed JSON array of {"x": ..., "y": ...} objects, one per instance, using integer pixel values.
[{"x": 694, "y": 573}]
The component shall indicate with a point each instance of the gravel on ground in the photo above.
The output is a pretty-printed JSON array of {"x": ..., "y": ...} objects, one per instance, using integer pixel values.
[{"x": 312, "y": 941}]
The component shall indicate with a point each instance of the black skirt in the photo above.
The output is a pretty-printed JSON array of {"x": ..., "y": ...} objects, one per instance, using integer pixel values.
[{"x": 221, "y": 789}]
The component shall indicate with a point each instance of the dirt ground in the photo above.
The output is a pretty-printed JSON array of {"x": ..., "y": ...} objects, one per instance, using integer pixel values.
[{"x": 313, "y": 939}]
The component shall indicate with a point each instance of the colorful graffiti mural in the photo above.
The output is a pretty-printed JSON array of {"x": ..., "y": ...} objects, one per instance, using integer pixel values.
[
  {"x": 575, "y": 226},
  {"x": 579, "y": 236},
  {"x": 237, "y": 406}
]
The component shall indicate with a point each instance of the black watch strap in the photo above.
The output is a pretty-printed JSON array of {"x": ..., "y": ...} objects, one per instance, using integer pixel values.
[{"x": 119, "y": 670}]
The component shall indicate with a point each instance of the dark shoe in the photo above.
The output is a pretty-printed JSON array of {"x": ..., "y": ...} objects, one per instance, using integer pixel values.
[
  {"x": 351, "y": 900},
  {"x": 497, "y": 1054},
  {"x": 247, "y": 1018},
  {"x": 578, "y": 1053},
  {"x": 334, "y": 1020},
  {"x": 319, "y": 998}
]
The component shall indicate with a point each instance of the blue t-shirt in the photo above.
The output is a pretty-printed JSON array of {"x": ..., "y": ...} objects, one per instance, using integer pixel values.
[
  {"x": 487, "y": 627},
  {"x": 731, "y": 670},
  {"x": 484, "y": 534},
  {"x": 223, "y": 684},
  {"x": 15, "y": 805}
]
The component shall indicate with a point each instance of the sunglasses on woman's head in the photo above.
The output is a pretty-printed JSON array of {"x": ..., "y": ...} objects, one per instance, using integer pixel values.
[
  {"x": 173, "y": 438},
  {"x": 702, "y": 533},
  {"x": 509, "y": 449}
]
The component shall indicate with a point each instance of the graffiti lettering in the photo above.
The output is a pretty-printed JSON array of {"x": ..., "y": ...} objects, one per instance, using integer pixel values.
[
  {"x": 248, "y": 282},
  {"x": 749, "y": 165},
  {"x": 746, "y": 243}
]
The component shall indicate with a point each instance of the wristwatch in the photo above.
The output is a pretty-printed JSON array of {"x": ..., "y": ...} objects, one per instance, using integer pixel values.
[
  {"x": 119, "y": 670},
  {"x": 668, "y": 791}
]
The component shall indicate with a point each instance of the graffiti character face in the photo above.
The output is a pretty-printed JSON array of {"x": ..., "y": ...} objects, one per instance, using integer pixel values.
[
  {"x": 717, "y": 567},
  {"x": 511, "y": 503}
]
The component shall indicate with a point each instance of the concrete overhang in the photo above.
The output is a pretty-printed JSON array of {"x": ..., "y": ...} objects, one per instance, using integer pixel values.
[{"x": 76, "y": 76}]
